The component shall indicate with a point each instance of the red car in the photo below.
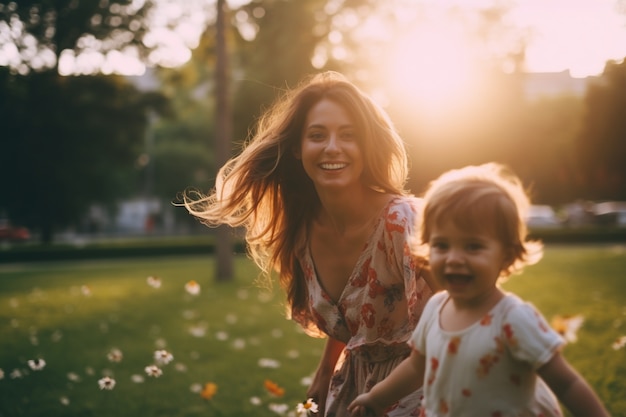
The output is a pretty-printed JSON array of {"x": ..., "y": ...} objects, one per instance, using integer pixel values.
[{"x": 10, "y": 233}]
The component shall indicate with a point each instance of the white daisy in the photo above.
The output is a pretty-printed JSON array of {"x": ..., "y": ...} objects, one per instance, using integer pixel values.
[
  {"x": 309, "y": 405},
  {"x": 107, "y": 383},
  {"x": 36, "y": 364},
  {"x": 163, "y": 357},
  {"x": 153, "y": 371},
  {"x": 115, "y": 355},
  {"x": 154, "y": 282},
  {"x": 268, "y": 363},
  {"x": 619, "y": 343},
  {"x": 192, "y": 287}
]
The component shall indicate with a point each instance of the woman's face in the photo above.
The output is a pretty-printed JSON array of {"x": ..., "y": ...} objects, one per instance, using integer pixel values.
[{"x": 329, "y": 147}]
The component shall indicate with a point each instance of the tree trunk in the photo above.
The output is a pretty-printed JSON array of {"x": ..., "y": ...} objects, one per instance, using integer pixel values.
[{"x": 223, "y": 132}]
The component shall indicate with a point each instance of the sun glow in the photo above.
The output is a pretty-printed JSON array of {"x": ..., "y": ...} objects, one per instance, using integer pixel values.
[{"x": 433, "y": 66}]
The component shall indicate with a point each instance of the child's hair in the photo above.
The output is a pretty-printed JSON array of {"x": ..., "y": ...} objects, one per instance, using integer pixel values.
[{"x": 484, "y": 197}]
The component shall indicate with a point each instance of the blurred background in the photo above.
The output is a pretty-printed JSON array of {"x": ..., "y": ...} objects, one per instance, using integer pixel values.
[{"x": 109, "y": 109}]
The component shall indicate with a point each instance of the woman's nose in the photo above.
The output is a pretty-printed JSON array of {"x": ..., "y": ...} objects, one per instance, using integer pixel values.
[{"x": 332, "y": 145}]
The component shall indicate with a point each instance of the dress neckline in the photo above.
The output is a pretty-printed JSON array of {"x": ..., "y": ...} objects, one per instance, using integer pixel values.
[{"x": 366, "y": 248}]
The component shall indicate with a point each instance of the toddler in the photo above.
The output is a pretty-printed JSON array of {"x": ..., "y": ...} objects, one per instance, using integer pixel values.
[{"x": 479, "y": 351}]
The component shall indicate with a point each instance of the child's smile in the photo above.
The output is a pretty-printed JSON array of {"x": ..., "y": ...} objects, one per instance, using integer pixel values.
[{"x": 467, "y": 263}]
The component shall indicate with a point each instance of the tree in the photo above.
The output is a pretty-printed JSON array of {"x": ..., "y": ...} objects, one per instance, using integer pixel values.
[
  {"x": 223, "y": 136},
  {"x": 602, "y": 143},
  {"x": 277, "y": 57},
  {"x": 68, "y": 141},
  {"x": 37, "y": 33}
]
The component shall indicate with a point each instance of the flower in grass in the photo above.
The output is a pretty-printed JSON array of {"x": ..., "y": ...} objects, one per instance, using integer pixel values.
[
  {"x": 192, "y": 287},
  {"x": 15, "y": 374},
  {"x": 302, "y": 409},
  {"x": 154, "y": 282},
  {"x": 163, "y": 357},
  {"x": 160, "y": 343},
  {"x": 107, "y": 383},
  {"x": 198, "y": 330},
  {"x": 567, "y": 326},
  {"x": 137, "y": 379},
  {"x": 208, "y": 391},
  {"x": 273, "y": 388},
  {"x": 280, "y": 409},
  {"x": 1, "y": 374},
  {"x": 255, "y": 400},
  {"x": 115, "y": 355},
  {"x": 64, "y": 400},
  {"x": 85, "y": 290},
  {"x": 617, "y": 345},
  {"x": 73, "y": 376},
  {"x": 268, "y": 363},
  {"x": 239, "y": 344},
  {"x": 36, "y": 364},
  {"x": 153, "y": 371}
]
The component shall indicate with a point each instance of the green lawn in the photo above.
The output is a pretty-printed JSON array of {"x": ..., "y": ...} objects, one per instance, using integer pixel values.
[{"x": 72, "y": 314}]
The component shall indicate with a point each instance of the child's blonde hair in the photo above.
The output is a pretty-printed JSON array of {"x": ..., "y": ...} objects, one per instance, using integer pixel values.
[{"x": 484, "y": 197}]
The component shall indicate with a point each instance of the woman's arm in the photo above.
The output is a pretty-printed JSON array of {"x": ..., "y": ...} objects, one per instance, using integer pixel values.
[
  {"x": 321, "y": 380},
  {"x": 407, "y": 377},
  {"x": 571, "y": 388}
]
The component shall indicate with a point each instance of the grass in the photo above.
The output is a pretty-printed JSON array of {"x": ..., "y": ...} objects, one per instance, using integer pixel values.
[{"x": 72, "y": 314}]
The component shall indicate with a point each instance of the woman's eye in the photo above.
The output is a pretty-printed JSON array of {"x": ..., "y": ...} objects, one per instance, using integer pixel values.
[
  {"x": 348, "y": 135},
  {"x": 316, "y": 135}
]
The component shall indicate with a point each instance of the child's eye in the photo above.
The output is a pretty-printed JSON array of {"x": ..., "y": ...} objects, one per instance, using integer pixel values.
[
  {"x": 474, "y": 246},
  {"x": 439, "y": 245}
]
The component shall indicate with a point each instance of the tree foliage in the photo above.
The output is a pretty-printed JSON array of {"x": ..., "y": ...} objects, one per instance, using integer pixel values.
[
  {"x": 67, "y": 142},
  {"x": 279, "y": 55},
  {"x": 40, "y": 31},
  {"x": 602, "y": 142}
]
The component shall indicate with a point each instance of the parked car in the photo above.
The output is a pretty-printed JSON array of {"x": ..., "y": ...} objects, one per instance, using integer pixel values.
[
  {"x": 10, "y": 233},
  {"x": 542, "y": 216}
]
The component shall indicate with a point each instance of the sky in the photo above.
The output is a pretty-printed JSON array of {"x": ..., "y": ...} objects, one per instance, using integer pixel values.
[
  {"x": 579, "y": 35},
  {"x": 575, "y": 35}
]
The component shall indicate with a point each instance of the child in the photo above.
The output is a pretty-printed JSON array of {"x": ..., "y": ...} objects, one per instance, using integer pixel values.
[{"x": 477, "y": 350}]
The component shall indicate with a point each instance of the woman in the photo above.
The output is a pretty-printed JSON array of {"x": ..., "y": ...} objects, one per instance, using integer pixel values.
[{"x": 320, "y": 192}]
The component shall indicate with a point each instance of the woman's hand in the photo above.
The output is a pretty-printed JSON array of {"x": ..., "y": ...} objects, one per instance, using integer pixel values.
[
  {"x": 319, "y": 391},
  {"x": 321, "y": 381}
]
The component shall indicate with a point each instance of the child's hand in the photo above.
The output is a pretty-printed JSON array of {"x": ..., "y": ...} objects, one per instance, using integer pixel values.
[{"x": 363, "y": 406}]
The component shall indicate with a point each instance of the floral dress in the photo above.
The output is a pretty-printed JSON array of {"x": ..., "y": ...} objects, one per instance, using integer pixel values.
[
  {"x": 489, "y": 368},
  {"x": 377, "y": 310}
]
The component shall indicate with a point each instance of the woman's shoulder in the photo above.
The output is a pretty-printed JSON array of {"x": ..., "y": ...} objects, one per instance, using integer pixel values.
[{"x": 405, "y": 205}]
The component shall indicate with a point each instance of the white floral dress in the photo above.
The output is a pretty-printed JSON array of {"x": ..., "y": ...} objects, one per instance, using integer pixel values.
[
  {"x": 377, "y": 311},
  {"x": 489, "y": 368}
]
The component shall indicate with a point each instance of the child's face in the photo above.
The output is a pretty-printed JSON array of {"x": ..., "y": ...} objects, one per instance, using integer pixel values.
[{"x": 467, "y": 263}]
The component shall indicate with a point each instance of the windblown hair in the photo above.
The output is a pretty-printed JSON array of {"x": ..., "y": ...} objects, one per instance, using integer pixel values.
[
  {"x": 484, "y": 197},
  {"x": 266, "y": 190}
]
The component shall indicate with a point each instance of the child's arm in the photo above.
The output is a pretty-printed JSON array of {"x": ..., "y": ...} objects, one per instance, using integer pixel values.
[
  {"x": 407, "y": 377},
  {"x": 571, "y": 388}
]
